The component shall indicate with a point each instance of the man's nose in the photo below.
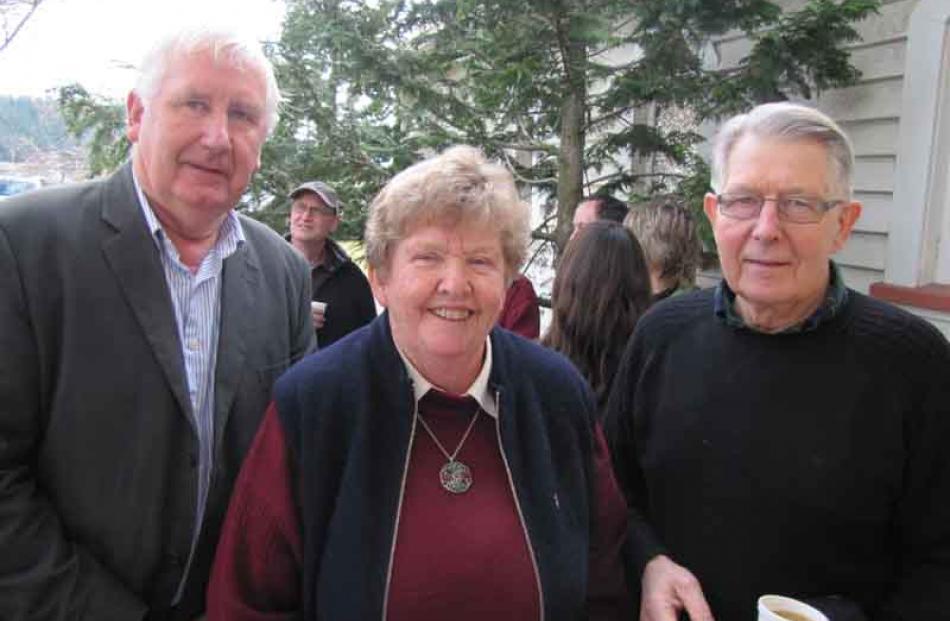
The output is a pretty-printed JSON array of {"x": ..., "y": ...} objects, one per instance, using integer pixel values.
[
  {"x": 768, "y": 224},
  {"x": 216, "y": 135}
]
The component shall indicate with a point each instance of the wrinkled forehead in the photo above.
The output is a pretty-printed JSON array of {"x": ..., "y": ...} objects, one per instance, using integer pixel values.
[
  {"x": 793, "y": 165},
  {"x": 201, "y": 64},
  {"x": 454, "y": 223}
]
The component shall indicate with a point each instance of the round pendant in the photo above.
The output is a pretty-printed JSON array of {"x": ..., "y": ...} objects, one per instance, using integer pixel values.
[{"x": 455, "y": 477}]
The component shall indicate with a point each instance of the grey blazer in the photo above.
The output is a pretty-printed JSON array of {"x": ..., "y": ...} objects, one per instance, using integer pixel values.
[{"x": 97, "y": 446}]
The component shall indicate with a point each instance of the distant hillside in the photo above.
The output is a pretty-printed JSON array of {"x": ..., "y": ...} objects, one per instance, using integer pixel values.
[{"x": 29, "y": 126}]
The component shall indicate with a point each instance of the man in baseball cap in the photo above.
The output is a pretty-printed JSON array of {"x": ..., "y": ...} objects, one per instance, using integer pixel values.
[{"x": 342, "y": 298}]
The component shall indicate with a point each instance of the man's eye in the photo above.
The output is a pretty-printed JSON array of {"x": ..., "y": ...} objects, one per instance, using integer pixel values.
[
  {"x": 800, "y": 203},
  {"x": 742, "y": 202},
  {"x": 195, "y": 105},
  {"x": 242, "y": 114}
]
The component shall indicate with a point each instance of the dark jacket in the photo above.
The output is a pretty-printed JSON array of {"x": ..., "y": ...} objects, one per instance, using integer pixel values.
[
  {"x": 340, "y": 284},
  {"x": 97, "y": 445},
  {"x": 347, "y": 416}
]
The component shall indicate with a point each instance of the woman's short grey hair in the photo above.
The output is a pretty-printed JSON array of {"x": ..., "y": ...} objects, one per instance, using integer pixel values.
[
  {"x": 223, "y": 45},
  {"x": 667, "y": 233},
  {"x": 787, "y": 121},
  {"x": 458, "y": 186}
]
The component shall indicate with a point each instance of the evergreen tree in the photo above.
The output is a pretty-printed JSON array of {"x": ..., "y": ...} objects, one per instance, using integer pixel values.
[
  {"x": 552, "y": 87},
  {"x": 567, "y": 92},
  {"x": 100, "y": 123}
]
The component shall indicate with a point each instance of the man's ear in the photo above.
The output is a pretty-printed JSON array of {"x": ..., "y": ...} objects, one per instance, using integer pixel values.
[
  {"x": 847, "y": 217},
  {"x": 710, "y": 204},
  {"x": 134, "y": 111},
  {"x": 377, "y": 282}
]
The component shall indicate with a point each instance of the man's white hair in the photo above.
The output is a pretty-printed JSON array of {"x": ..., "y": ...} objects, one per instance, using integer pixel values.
[
  {"x": 787, "y": 121},
  {"x": 223, "y": 45}
]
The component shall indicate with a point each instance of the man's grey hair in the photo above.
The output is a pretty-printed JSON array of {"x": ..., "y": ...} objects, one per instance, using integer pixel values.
[
  {"x": 224, "y": 45},
  {"x": 787, "y": 121}
]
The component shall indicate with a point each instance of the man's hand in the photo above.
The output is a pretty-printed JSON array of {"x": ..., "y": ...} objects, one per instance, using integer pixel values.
[
  {"x": 668, "y": 588},
  {"x": 318, "y": 313}
]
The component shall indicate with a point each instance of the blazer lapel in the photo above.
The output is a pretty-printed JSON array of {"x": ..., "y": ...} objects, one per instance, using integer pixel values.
[
  {"x": 239, "y": 276},
  {"x": 131, "y": 254}
]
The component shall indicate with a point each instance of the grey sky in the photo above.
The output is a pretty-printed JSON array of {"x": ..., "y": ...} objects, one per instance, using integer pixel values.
[{"x": 95, "y": 42}]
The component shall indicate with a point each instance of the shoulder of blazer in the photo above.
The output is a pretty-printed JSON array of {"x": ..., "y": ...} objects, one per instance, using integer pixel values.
[
  {"x": 63, "y": 216},
  {"x": 67, "y": 201},
  {"x": 269, "y": 247}
]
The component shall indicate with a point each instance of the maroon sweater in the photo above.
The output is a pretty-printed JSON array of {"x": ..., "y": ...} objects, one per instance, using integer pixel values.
[
  {"x": 521, "y": 314},
  {"x": 460, "y": 556}
]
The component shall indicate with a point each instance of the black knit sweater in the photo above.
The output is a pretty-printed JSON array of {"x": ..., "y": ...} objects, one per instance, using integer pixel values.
[{"x": 806, "y": 464}]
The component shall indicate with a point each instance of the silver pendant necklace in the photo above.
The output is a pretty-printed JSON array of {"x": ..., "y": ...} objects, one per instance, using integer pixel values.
[{"x": 454, "y": 476}]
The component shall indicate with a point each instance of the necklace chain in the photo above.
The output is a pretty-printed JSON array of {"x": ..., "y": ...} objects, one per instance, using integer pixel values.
[{"x": 451, "y": 457}]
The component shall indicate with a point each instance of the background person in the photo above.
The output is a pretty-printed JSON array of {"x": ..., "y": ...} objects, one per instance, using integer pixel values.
[
  {"x": 783, "y": 433},
  {"x": 598, "y": 207},
  {"x": 142, "y": 322},
  {"x": 601, "y": 289},
  {"x": 429, "y": 466},
  {"x": 520, "y": 312},
  {"x": 667, "y": 233},
  {"x": 336, "y": 281}
]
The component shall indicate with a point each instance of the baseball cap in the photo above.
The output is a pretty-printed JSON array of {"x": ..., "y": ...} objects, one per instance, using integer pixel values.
[{"x": 325, "y": 192}]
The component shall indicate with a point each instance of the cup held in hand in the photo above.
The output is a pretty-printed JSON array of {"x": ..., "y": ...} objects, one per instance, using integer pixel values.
[{"x": 780, "y": 608}]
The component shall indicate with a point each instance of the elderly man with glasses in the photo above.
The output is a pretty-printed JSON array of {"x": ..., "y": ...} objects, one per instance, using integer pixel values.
[{"x": 783, "y": 433}]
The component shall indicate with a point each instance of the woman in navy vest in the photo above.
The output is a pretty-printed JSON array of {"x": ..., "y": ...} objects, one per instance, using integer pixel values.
[{"x": 429, "y": 466}]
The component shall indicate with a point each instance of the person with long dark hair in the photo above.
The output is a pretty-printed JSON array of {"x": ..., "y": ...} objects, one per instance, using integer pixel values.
[{"x": 601, "y": 289}]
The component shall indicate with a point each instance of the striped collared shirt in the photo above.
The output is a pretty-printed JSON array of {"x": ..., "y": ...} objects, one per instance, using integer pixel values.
[{"x": 196, "y": 297}]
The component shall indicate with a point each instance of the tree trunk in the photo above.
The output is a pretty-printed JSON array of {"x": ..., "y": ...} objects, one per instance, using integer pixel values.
[{"x": 570, "y": 178}]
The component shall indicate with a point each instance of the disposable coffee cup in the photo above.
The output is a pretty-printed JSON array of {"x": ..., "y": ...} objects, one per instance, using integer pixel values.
[
  {"x": 318, "y": 307},
  {"x": 781, "y": 608}
]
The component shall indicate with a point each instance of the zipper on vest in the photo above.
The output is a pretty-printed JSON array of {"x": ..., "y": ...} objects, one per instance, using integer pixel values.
[
  {"x": 402, "y": 493},
  {"x": 514, "y": 494}
]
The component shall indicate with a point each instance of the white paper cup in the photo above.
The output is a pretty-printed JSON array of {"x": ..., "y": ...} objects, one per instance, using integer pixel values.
[
  {"x": 781, "y": 608},
  {"x": 318, "y": 307}
]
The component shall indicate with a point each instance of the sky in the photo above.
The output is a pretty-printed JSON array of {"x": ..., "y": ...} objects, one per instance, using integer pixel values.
[{"x": 98, "y": 42}]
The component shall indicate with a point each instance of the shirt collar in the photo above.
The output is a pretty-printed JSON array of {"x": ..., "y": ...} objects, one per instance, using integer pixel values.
[
  {"x": 724, "y": 305},
  {"x": 478, "y": 390},
  {"x": 334, "y": 256},
  {"x": 230, "y": 235}
]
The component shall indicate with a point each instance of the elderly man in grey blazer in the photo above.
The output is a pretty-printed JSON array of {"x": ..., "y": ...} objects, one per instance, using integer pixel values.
[{"x": 142, "y": 323}]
